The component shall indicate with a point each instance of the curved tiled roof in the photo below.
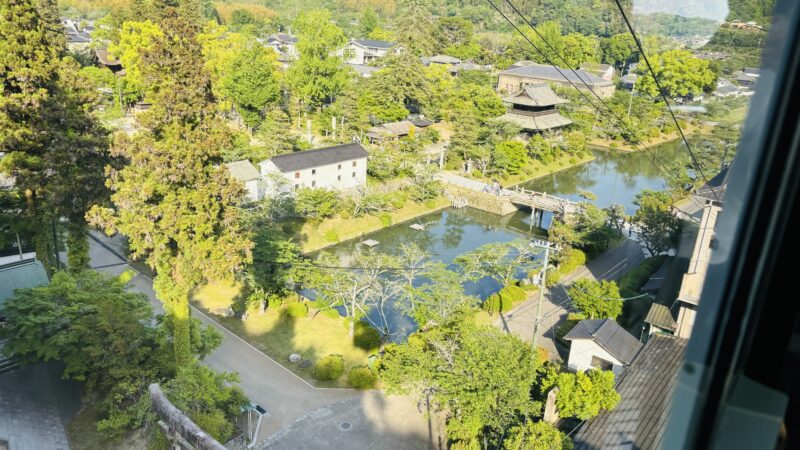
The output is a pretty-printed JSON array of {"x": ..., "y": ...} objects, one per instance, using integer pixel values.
[
  {"x": 543, "y": 72},
  {"x": 609, "y": 335}
]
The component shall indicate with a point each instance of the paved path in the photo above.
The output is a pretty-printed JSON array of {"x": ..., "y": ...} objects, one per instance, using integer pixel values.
[
  {"x": 286, "y": 396},
  {"x": 608, "y": 266}
]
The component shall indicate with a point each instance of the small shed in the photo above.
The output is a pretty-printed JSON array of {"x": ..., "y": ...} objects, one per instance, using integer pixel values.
[{"x": 601, "y": 344}]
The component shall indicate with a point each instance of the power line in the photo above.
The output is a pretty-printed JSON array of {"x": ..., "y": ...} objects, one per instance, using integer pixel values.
[{"x": 663, "y": 95}]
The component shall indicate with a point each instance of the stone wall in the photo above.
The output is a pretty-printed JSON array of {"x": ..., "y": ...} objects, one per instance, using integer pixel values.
[{"x": 481, "y": 200}]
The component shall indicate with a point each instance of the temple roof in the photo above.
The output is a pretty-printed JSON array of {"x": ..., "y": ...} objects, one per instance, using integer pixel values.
[
  {"x": 536, "y": 123},
  {"x": 536, "y": 94}
]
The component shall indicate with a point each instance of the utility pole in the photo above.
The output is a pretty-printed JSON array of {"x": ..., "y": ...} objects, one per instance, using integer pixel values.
[{"x": 547, "y": 246}]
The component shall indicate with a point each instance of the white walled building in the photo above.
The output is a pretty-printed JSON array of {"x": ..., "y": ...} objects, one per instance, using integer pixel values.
[
  {"x": 338, "y": 167},
  {"x": 601, "y": 344},
  {"x": 283, "y": 43},
  {"x": 247, "y": 174},
  {"x": 364, "y": 51}
]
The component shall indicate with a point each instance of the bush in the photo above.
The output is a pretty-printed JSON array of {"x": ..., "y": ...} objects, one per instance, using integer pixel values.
[
  {"x": 366, "y": 336},
  {"x": 398, "y": 200},
  {"x": 331, "y": 236},
  {"x": 296, "y": 309},
  {"x": 515, "y": 294},
  {"x": 346, "y": 214},
  {"x": 573, "y": 258},
  {"x": 330, "y": 367},
  {"x": 630, "y": 283},
  {"x": 430, "y": 203},
  {"x": 492, "y": 304},
  {"x": 386, "y": 219},
  {"x": 362, "y": 378},
  {"x": 505, "y": 303}
]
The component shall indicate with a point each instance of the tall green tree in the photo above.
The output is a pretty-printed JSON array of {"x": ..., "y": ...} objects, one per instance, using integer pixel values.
[
  {"x": 54, "y": 148},
  {"x": 679, "y": 72},
  {"x": 368, "y": 22},
  {"x": 536, "y": 436},
  {"x": 252, "y": 83},
  {"x": 173, "y": 200},
  {"x": 414, "y": 27},
  {"x": 656, "y": 224},
  {"x": 318, "y": 75},
  {"x": 584, "y": 394}
]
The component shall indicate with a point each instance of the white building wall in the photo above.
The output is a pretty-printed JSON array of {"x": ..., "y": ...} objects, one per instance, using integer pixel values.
[
  {"x": 581, "y": 352},
  {"x": 340, "y": 176}
]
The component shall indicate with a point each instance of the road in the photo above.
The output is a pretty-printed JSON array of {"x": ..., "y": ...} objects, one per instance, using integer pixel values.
[{"x": 608, "y": 266}]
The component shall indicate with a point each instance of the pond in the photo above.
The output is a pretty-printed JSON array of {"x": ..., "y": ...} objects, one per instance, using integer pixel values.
[{"x": 613, "y": 177}]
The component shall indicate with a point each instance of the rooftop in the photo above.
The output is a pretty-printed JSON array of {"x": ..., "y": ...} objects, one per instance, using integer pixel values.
[
  {"x": 544, "y": 72},
  {"x": 609, "y": 335},
  {"x": 283, "y": 38},
  {"x": 537, "y": 94},
  {"x": 21, "y": 275},
  {"x": 444, "y": 59},
  {"x": 319, "y": 157},
  {"x": 639, "y": 420},
  {"x": 243, "y": 170},
  {"x": 105, "y": 58},
  {"x": 661, "y": 317},
  {"x": 373, "y": 43},
  {"x": 536, "y": 123}
]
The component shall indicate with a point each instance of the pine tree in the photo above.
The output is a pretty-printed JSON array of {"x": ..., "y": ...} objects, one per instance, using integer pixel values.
[{"x": 174, "y": 201}]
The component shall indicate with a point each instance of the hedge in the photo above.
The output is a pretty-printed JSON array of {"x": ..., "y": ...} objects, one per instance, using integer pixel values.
[
  {"x": 362, "y": 378},
  {"x": 633, "y": 280},
  {"x": 330, "y": 367},
  {"x": 296, "y": 309},
  {"x": 573, "y": 258},
  {"x": 492, "y": 304},
  {"x": 366, "y": 336}
]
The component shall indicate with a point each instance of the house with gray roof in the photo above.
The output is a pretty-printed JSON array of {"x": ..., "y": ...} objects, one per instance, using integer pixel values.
[
  {"x": 601, "y": 344},
  {"x": 283, "y": 43},
  {"x": 365, "y": 51},
  {"x": 533, "y": 108},
  {"x": 524, "y": 73},
  {"x": 246, "y": 173},
  {"x": 395, "y": 130},
  {"x": 338, "y": 167},
  {"x": 639, "y": 420}
]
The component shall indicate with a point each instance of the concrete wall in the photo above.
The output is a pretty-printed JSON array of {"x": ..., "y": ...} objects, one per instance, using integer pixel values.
[
  {"x": 581, "y": 352},
  {"x": 344, "y": 175},
  {"x": 514, "y": 83},
  {"x": 255, "y": 190},
  {"x": 481, "y": 200}
]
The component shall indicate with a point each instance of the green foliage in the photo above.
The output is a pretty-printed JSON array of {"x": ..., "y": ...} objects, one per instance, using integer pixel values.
[
  {"x": 569, "y": 260},
  {"x": 458, "y": 363},
  {"x": 596, "y": 299},
  {"x": 296, "y": 310},
  {"x": 332, "y": 236},
  {"x": 251, "y": 83},
  {"x": 414, "y": 27},
  {"x": 328, "y": 368},
  {"x": 658, "y": 228},
  {"x": 366, "y": 336},
  {"x": 368, "y": 22},
  {"x": 536, "y": 436},
  {"x": 679, "y": 72},
  {"x": 362, "y": 378},
  {"x": 386, "y": 219},
  {"x": 316, "y": 203},
  {"x": 510, "y": 156},
  {"x": 492, "y": 304},
  {"x": 584, "y": 394},
  {"x": 630, "y": 283},
  {"x": 513, "y": 293},
  {"x": 135, "y": 39},
  {"x": 501, "y": 261}
]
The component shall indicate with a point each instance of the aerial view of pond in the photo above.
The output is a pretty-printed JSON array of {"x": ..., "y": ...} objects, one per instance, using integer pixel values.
[{"x": 613, "y": 177}]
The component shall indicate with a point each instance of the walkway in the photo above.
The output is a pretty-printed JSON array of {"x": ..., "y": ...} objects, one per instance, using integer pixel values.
[
  {"x": 608, "y": 266},
  {"x": 285, "y": 395}
]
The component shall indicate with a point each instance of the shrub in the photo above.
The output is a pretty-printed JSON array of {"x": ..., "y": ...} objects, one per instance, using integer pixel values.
[
  {"x": 330, "y": 367},
  {"x": 386, "y": 219},
  {"x": 430, "y": 203},
  {"x": 492, "y": 304},
  {"x": 573, "y": 258},
  {"x": 331, "y": 236},
  {"x": 362, "y": 378},
  {"x": 296, "y": 309},
  {"x": 366, "y": 336},
  {"x": 345, "y": 214},
  {"x": 630, "y": 283},
  {"x": 514, "y": 293},
  {"x": 398, "y": 200},
  {"x": 505, "y": 303}
]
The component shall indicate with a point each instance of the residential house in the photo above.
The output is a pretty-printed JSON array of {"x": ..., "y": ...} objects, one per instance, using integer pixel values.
[
  {"x": 339, "y": 167},
  {"x": 246, "y": 173},
  {"x": 444, "y": 60},
  {"x": 395, "y": 130},
  {"x": 20, "y": 275},
  {"x": 726, "y": 89},
  {"x": 364, "y": 51},
  {"x": 604, "y": 71},
  {"x": 601, "y": 344},
  {"x": 534, "y": 109},
  {"x": 645, "y": 389},
  {"x": 105, "y": 59},
  {"x": 515, "y": 78},
  {"x": 283, "y": 43},
  {"x": 748, "y": 77}
]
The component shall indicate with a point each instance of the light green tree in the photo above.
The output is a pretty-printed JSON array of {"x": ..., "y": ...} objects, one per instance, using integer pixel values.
[
  {"x": 679, "y": 72},
  {"x": 584, "y": 394},
  {"x": 414, "y": 27},
  {"x": 509, "y": 156},
  {"x": 596, "y": 299},
  {"x": 536, "y": 436},
  {"x": 656, "y": 224},
  {"x": 134, "y": 39},
  {"x": 252, "y": 83}
]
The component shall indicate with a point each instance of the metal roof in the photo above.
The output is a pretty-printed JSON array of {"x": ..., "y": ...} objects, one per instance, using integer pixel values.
[
  {"x": 609, "y": 335},
  {"x": 319, "y": 157},
  {"x": 243, "y": 170},
  {"x": 551, "y": 73},
  {"x": 536, "y": 94},
  {"x": 373, "y": 43},
  {"x": 639, "y": 420},
  {"x": 20, "y": 275}
]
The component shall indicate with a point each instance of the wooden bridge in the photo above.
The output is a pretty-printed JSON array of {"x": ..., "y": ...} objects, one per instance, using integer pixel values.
[{"x": 540, "y": 201}]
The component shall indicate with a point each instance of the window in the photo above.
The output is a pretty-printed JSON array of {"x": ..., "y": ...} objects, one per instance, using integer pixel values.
[
  {"x": 354, "y": 163},
  {"x": 340, "y": 167},
  {"x": 354, "y": 174},
  {"x": 313, "y": 171},
  {"x": 314, "y": 183},
  {"x": 601, "y": 363},
  {"x": 339, "y": 177},
  {"x": 297, "y": 186},
  {"x": 297, "y": 174}
]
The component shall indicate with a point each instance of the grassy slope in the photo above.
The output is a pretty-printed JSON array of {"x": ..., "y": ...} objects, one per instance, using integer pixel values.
[{"x": 535, "y": 169}]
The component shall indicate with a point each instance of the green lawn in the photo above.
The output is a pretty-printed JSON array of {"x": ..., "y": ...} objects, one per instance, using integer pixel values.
[
  {"x": 279, "y": 335},
  {"x": 314, "y": 236}
]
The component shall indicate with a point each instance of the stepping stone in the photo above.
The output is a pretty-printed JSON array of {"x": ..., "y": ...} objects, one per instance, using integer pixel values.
[
  {"x": 294, "y": 357},
  {"x": 371, "y": 242}
]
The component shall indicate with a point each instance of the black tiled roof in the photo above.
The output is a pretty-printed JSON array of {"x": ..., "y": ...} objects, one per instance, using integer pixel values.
[
  {"x": 374, "y": 43},
  {"x": 543, "y": 72},
  {"x": 715, "y": 185},
  {"x": 608, "y": 335},
  {"x": 319, "y": 157},
  {"x": 639, "y": 420}
]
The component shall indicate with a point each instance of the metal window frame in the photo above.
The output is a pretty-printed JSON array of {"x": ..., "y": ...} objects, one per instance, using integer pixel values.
[{"x": 729, "y": 394}]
